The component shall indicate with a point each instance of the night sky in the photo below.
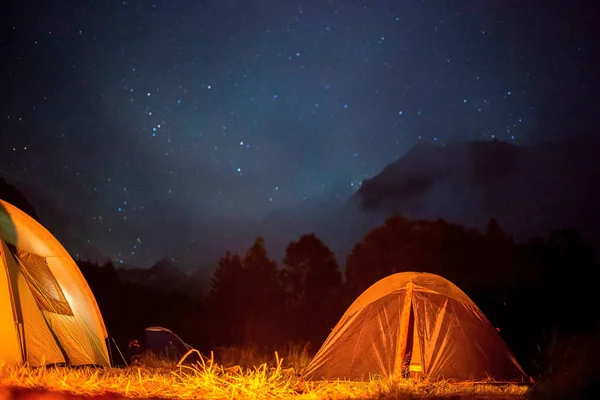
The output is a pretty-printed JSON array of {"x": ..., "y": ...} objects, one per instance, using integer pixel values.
[{"x": 150, "y": 129}]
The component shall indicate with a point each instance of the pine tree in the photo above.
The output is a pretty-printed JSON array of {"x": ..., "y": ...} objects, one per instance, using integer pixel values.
[
  {"x": 263, "y": 303},
  {"x": 313, "y": 281},
  {"x": 226, "y": 300}
]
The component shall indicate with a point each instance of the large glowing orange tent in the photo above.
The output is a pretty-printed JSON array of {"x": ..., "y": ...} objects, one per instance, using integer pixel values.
[
  {"x": 414, "y": 324},
  {"x": 48, "y": 314}
]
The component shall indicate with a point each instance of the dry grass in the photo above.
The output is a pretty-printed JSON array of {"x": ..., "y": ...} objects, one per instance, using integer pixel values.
[
  {"x": 209, "y": 380},
  {"x": 296, "y": 355}
]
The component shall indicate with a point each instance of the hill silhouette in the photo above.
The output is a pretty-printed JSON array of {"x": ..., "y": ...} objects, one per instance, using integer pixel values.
[
  {"x": 12, "y": 195},
  {"x": 166, "y": 276},
  {"x": 529, "y": 190}
]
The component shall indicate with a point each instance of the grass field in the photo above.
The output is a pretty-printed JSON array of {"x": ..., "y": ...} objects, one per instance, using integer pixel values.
[{"x": 277, "y": 378}]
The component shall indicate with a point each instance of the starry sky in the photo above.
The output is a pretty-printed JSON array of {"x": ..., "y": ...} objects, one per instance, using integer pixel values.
[{"x": 180, "y": 128}]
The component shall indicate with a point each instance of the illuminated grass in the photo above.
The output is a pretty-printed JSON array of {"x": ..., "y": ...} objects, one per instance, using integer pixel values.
[{"x": 207, "y": 380}]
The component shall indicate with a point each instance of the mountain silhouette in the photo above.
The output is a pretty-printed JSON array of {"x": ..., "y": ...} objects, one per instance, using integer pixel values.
[
  {"x": 12, "y": 195},
  {"x": 530, "y": 190}
]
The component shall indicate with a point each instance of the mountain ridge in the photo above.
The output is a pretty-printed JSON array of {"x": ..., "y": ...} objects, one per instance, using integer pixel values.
[{"x": 531, "y": 190}]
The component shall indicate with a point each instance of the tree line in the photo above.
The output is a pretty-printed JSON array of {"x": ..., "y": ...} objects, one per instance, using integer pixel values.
[{"x": 531, "y": 291}]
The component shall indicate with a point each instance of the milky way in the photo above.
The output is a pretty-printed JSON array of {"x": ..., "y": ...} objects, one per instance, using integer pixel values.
[{"x": 145, "y": 129}]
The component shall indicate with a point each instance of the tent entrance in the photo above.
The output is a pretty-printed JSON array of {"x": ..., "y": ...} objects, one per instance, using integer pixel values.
[
  {"x": 408, "y": 362},
  {"x": 412, "y": 366}
]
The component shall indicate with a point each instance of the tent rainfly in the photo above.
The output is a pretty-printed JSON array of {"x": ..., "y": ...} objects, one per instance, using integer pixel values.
[
  {"x": 48, "y": 314},
  {"x": 414, "y": 324}
]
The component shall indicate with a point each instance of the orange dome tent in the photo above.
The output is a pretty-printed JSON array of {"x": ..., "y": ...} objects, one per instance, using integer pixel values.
[
  {"x": 48, "y": 314},
  {"x": 414, "y": 324}
]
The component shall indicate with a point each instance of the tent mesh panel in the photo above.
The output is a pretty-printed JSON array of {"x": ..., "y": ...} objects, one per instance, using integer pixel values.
[{"x": 44, "y": 286}]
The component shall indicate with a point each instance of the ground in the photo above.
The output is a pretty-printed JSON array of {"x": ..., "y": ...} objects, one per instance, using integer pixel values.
[{"x": 209, "y": 380}]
